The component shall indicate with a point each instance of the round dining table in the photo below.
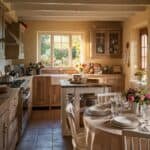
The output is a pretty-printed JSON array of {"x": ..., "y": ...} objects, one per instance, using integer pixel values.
[{"x": 101, "y": 135}]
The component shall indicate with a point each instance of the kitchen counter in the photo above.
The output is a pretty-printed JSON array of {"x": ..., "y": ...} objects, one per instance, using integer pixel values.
[
  {"x": 5, "y": 97},
  {"x": 76, "y": 90},
  {"x": 67, "y": 84},
  {"x": 55, "y": 78}
]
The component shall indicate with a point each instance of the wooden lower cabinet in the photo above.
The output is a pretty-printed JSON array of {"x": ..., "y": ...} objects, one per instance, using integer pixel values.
[
  {"x": 44, "y": 93},
  {"x": 4, "y": 131},
  {"x": 41, "y": 91},
  {"x": 13, "y": 134},
  {"x": 55, "y": 95},
  {"x": 13, "y": 123},
  {"x": 116, "y": 81}
]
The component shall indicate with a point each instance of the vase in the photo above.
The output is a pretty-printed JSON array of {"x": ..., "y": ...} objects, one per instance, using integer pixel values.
[
  {"x": 137, "y": 109},
  {"x": 139, "y": 78}
]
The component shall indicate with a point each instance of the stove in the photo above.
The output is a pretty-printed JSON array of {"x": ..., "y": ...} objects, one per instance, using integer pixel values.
[{"x": 16, "y": 83}]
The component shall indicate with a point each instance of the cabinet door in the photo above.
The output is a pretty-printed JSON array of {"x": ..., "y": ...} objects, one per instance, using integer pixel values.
[
  {"x": 41, "y": 91},
  {"x": 115, "y": 43},
  {"x": 3, "y": 131},
  {"x": 99, "y": 43},
  {"x": 12, "y": 133},
  {"x": 2, "y": 34},
  {"x": 55, "y": 95}
]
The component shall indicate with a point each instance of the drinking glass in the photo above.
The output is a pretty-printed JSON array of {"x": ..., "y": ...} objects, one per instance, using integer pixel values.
[
  {"x": 114, "y": 109},
  {"x": 146, "y": 114}
]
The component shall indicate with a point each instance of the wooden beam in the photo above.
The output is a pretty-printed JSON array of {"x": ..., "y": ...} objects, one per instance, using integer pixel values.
[
  {"x": 73, "y": 18},
  {"x": 73, "y": 13},
  {"x": 109, "y": 2},
  {"x": 85, "y": 7}
]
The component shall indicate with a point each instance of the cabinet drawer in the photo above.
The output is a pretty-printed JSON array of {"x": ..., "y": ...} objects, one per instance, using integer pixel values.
[
  {"x": 12, "y": 131},
  {"x": 12, "y": 113},
  {"x": 4, "y": 107},
  {"x": 13, "y": 108}
]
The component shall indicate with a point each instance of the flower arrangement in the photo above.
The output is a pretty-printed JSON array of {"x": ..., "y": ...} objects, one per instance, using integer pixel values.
[
  {"x": 79, "y": 67},
  {"x": 138, "y": 96},
  {"x": 140, "y": 74}
]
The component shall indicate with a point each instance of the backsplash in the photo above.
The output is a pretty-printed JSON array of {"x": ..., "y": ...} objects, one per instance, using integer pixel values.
[{"x": 4, "y": 62}]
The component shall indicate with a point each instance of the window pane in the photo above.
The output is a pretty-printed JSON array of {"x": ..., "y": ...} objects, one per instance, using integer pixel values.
[
  {"x": 57, "y": 45},
  {"x": 76, "y": 48},
  {"x": 61, "y": 51},
  {"x": 57, "y": 38},
  {"x": 45, "y": 48},
  {"x": 65, "y": 39},
  {"x": 145, "y": 41},
  {"x": 65, "y": 45}
]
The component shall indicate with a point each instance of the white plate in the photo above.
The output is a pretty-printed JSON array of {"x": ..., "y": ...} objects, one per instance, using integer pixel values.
[
  {"x": 125, "y": 122},
  {"x": 97, "y": 111}
]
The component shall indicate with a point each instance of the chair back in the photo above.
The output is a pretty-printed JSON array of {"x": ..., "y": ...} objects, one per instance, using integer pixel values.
[
  {"x": 103, "y": 98},
  {"x": 133, "y": 140},
  {"x": 70, "y": 110}
]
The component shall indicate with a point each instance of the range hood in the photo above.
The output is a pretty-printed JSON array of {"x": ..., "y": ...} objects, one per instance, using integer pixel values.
[{"x": 10, "y": 37}]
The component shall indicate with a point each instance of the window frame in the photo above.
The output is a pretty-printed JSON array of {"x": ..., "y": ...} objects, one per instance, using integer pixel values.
[
  {"x": 143, "y": 31},
  {"x": 51, "y": 33}
]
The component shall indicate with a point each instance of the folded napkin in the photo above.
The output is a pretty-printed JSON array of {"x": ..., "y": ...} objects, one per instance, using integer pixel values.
[{"x": 145, "y": 128}]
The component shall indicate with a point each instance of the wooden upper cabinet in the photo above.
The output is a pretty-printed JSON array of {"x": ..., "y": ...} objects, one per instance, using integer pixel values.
[
  {"x": 106, "y": 42},
  {"x": 2, "y": 34},
  {"x": 115, "y": 41},
  {"x": 14, "y": 44}
]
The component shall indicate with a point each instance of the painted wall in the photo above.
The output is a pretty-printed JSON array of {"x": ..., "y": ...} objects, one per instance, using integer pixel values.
[
  {"x": 131, "y": 35},
  {"x": 3, "y": 63},
  {"x": 30, "y": 38}
]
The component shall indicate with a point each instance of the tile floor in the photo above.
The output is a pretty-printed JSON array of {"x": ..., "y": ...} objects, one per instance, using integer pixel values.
[{"x": 44, "y": 132}]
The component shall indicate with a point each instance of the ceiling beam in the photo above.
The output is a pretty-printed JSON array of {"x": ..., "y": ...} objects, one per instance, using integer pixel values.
[
  {"x": 74, "y": 18},
  {"x": 109, "y": 2},
  {"x": 72, "y": 13},
  {"x": 46, "y": 7}
]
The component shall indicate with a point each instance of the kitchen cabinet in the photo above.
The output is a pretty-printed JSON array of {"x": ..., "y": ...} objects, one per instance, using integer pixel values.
[
  {"x": 44, "y": 93},
  {"x": 55, "y": 95},
  {"x": 13, "y": 122},
  {"x": 4, "y": 130},
  {"x": 14, "y": 48},
  {"x": 2, "y": 34},
  {"x": 115, "y": 80},
  {"x": 41, "y": 90},
  {"x": 106, "y": 43}
]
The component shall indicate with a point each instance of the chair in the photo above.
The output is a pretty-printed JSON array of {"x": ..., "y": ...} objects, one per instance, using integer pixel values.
[
  {"x": 134, "y": 140},
  {"x": 106, "y": 97},
  {"x": 78, "y": 138}
]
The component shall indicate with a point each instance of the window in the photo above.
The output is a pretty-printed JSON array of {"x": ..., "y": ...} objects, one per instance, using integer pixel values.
[
  {"x": 143, "y": 47},
  {"x": 59, "y": 50}
]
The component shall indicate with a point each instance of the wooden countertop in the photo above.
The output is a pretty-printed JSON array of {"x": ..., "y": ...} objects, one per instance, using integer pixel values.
[
  {"x": 67, "y": 84},
  {"x": 5, "y": 97}
]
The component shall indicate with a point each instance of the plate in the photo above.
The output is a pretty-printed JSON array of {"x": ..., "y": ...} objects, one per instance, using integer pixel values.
[
  {"x": 125, "y": 121},
  {"x": 96, "y": 110}
]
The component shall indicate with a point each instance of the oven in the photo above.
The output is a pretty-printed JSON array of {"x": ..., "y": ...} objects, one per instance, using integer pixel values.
[{"x": 24, "y": 100}]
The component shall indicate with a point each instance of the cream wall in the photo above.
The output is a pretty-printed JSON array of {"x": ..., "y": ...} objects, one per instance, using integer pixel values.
[
  {"x": 30, "y": 38},
  {"x": 131, "y": 34},
  {"x": 3, "y": 63}
]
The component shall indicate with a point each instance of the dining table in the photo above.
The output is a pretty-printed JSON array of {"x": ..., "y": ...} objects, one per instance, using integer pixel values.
[{"x": 102, "y": 135}]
